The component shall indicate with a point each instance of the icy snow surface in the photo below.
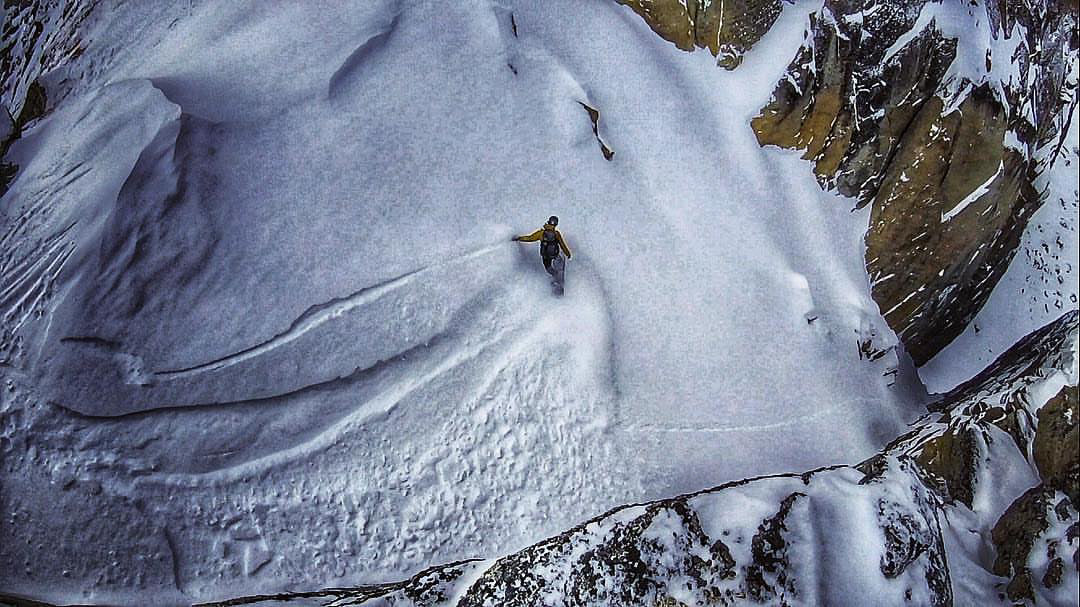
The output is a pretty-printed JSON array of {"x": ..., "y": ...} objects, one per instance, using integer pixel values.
[{"x": 282, "y": 326}]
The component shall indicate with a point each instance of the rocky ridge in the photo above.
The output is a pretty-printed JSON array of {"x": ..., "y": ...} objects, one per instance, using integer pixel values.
[{"x": 948, "y": 149}]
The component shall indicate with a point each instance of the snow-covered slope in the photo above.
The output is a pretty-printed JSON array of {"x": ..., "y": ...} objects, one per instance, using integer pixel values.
[
  {"x": 264, "y": 328},
  {"x": 281, "y": 326},
  {"x": 971, "y": 507}
]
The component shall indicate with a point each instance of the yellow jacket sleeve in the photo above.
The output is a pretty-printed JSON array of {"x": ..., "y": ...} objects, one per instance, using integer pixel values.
[
  {"x": 562, "y": 243},
  {"x": 532, "y": 237}
]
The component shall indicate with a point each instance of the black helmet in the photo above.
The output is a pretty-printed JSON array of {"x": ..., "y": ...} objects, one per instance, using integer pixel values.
[{"x": 553, "y": 220}]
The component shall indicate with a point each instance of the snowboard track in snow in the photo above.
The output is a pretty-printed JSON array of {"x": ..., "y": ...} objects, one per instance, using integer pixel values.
[
  {"x": 316, "y": 316},
  {"x": 374, "y": 409},
  {"x": 390, "y": 382}
]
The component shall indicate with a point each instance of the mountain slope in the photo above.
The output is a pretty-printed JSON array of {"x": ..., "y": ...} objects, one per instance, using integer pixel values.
[{"x": 264, "y": 328}]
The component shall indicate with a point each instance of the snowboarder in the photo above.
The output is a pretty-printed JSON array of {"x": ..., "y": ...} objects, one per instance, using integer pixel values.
[{"x": 551, "y": 241}]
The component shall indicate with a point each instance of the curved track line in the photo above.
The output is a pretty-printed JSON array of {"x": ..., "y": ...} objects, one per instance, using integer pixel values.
[
  {"x": 378, "y": 405},
  {"x": 313, "y": 317}
]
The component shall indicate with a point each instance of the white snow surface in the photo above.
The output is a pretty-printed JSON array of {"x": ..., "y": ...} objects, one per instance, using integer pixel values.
[{"x": 277, "y": 319}]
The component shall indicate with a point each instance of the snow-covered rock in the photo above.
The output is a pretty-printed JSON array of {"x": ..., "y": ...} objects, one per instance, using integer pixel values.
[
  {"x": 942, "y": 116},
  {"x": 262, "y": 328}
]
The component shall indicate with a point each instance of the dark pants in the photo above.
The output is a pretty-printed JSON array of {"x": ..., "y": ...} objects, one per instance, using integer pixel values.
[
  {"x": 547, "y": 265},
  {"x": 555, "y": 266}
]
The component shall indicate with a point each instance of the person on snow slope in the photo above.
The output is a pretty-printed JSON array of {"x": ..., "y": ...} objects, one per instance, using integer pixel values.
[{"x": 551, "y": 241}]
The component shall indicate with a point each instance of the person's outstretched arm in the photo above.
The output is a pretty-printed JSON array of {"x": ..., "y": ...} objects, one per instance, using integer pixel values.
[
  {"x": 562, "y": 243},
  {"x": 531, "y": 237}
]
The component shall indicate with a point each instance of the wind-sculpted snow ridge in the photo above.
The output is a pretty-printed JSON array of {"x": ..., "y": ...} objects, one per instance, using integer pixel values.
[{"x": 899, "y": 527}]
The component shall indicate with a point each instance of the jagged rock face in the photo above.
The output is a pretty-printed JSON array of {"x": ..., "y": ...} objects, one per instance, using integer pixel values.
[
  {"x": 727, "y": 29},
  {"x": 8, "y": 133},
  {"x": 629, "y": 558},
  {"x": 1039, "y": 527},
  {"x": 38, "y": 36},
  {"x": 1057, "y": 443},
  {"x": 953, "y": 457},
  {"x": 7, "y": 129},
  {"x": 946, "y": 155},
  {"x": 951, "y": 445}
]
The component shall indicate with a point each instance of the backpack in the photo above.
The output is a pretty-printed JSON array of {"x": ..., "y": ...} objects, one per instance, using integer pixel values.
[{"x": 549, "y": 244}]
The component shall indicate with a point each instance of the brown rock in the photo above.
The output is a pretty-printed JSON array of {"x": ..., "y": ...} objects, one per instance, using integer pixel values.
[
  {"x": 33, "y": 106},
  {"x": 728, "y": 29},
  {"x": 670, "y": 19},
  {"x": 1057, "y": 443},
  {"x": 1014, "y": 536},
  {"x": 950, "y": 201},
  {"x": 1053, "y": 574},
  {"x": 953, "y": 457},
  {"x": 933, "y": 253}
]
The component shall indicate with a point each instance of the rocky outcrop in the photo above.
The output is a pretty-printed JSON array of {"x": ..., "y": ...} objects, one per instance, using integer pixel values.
[
  {"x": 1057, "y": 443},
  {"x": 958, "y": 440},
  {"x": 889, "y": 106},
  {"x": 8, "y": 133},
  {"x": 38, "y": 36},
  {"x": 951, "y": 442},
  {"x": 1039, "y": 527},
  {"x": 7, "y": 129},
  {"x": 941, "y": 117},
  {"x": 727, "y": 29},
  {"x": 1037, "y": 539}
]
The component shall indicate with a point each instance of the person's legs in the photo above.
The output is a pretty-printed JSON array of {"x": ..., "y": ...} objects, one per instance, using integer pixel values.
[
  {"x": 547, "y": 265},
  {"x": 557, "y": 274}
]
